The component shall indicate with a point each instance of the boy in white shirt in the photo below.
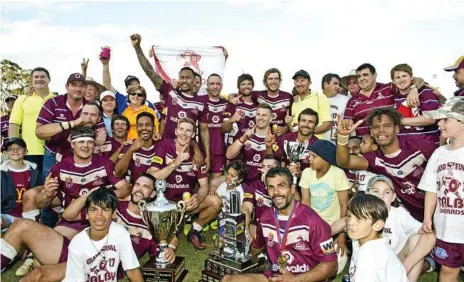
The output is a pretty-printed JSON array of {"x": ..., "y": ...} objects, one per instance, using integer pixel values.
[
  {"x": 373, "y": 259},
  {"x": 95, "y": 253},
  {"x": 443, "y": 181}
]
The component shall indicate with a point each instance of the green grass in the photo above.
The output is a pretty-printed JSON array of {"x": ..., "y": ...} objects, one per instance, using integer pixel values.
[{"x": 194, "y": 260}]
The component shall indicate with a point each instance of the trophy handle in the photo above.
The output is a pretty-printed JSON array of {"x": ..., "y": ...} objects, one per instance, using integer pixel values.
[
  {"x": 143, "y": 205},
  {"x": 181, "y": 209}
]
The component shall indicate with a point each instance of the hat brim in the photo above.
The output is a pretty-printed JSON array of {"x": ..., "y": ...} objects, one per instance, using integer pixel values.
[
  {"x": 297, "y": 75},
  {"x": 99, "y": 87},
  {"x": 451, "y": 68},
  {"x": 344, "y": 81},
  {"x": 436, "y": 114},
  {"x": 107, "y": 95}
]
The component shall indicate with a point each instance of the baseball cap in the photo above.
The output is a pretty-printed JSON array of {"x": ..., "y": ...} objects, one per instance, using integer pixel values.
[
  {"x": 344, "y": 80},
  {"x": 129, "y": 79},
  {"x": 453, "y": 108},
  {"x": 76, "y": 77},
  {"x": 11, "y": 97},
  {"x": 16, "y": 140},
  {"x": 326, "y": 150},
  {"x": 106, "y": 93},
  {"x": 100, "y": 88},
  {"x": 380, "y": 177},
  {"x": 458, "y": 65},
  {"x": 302, "y": 73}
]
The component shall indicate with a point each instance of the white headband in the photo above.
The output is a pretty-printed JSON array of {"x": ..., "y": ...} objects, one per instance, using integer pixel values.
[{"x": 78, "y": 139}]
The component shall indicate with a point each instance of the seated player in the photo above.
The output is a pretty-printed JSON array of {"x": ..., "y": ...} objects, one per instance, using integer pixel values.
[
  {"x": 95, "y": 253},
  {"x": 373, "y": 259},
  {"x": 294, "y": 236},
  {"x": 362, "y": 176},
  {"x": 173, "y": 161},
  {"x": 256, "y": 198}
]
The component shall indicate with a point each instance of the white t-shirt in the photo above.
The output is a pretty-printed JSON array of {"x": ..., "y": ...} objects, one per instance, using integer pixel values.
[
  {"x": 375, "y": 261},
  {"x": 337, "y": 107},
  {"x": 399, "y": 227},
  {"x": 444, "y": 176},
  {"x": 224, "y": 194},
  {"x": 363, "y": 177},
  {"x": 86, "y": 263}
]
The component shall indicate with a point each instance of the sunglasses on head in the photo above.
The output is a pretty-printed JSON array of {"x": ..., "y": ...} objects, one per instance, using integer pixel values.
[{"x": 138, "y": 94}]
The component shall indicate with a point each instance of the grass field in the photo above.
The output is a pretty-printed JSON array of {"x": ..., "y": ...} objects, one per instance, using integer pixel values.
[{"x": 195, "y": 262}]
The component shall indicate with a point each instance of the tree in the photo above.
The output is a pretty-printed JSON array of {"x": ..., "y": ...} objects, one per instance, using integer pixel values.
[{"x": 15, "y": 80}]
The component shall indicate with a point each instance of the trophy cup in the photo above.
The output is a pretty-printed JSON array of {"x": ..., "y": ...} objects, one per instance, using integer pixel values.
[
  {"x": 163, "y": 218},
  {"x": 294, "y": 154},
  {"x": 233, "y": 257}
]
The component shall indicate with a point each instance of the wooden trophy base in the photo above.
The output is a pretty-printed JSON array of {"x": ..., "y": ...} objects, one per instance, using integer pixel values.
[{"x": 174, "y": 273}]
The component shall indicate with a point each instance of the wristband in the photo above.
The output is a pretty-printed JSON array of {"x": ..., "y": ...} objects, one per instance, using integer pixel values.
[
  {"x": 342, "y": 139},
  {"x": 61, "y": 125},
  {"x": 171, "y": 246},
  {"x": 71, "y": 125}
]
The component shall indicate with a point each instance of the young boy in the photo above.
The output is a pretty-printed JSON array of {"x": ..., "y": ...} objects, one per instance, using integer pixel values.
[
  {"x": 373, "y": 259},
  {"x": 443, "y": 181},
  {"x": 362, "y": 176},
  {"x": 95, "y": 253}
]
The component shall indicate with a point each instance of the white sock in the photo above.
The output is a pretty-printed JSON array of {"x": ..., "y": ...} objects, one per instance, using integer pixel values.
[
  {"x": 197, "y": 226},
  {"x": 8, "y": 250},
  {"x": 31, "y": 214}
]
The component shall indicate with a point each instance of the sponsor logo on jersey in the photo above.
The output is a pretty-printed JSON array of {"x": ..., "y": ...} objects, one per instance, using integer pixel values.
[
  {"x": 157, "y": 160},
  {"x": 327, "y": 247}
]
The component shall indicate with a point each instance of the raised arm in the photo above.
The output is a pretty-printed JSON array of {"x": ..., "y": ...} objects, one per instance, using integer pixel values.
[{"x": 144, "y": 63}]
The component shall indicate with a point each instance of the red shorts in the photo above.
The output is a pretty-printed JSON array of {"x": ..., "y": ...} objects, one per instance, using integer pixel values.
[
  {"x": 77, "y": 225},
  {"x": 64, "y": 250},
  {"x": 218, "y": 163},
  {"x": 448, "y": 254}
]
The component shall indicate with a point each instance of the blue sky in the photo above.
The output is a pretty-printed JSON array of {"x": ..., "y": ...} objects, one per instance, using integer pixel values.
[{"x": 319, "y": 36}]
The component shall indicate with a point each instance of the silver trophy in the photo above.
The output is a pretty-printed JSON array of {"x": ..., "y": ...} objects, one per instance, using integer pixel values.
[
  {"x": 163, "y": 218},
  {"x": 294, "y": 154}
]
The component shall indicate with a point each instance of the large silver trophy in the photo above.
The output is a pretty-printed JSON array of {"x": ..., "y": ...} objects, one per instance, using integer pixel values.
[
  {"x": 164, "y": 217},
  {"x": 294, "y": 154}
]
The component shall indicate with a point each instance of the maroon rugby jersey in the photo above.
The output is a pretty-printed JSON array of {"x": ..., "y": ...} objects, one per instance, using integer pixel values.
[
  {"x": 405, "y": 170},
  {"x": 215, "y": 115},
  {"x": 56, "y": 110},
  {"x": 256, "y": 193},
  {"x": 287, "y": 141},
  {"x": 179, "y": 105},
  {"x": 75, "y": 181},
  {"x": 309, "y": 239},
  {"x": 428, "y": 102},
  {"x": 106, "y": 150},
  {"x": 21, "y": 181},
  {"x": 253, "y": 152},
  {"x": 279, "y": 104},
  {"x": 181, "y": 180},
  {"x": 141, "y": 161},
  {"x": 248, "y": 121},
  {"x": 359, "y": 106}
]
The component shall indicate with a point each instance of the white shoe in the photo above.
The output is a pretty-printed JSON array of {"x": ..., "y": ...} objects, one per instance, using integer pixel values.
[{"x": 25, "y": 267}]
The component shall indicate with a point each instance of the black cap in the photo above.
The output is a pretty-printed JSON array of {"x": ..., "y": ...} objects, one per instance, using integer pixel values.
[
  {"x": 326, "y": 150},
  {"x": 76, "y": 77},
  {"x": 11, "y": 97},
  {"x": 16, "y": 140},
  {"x": 129, "y": 79},
  {"x": 302, "y": 73}
]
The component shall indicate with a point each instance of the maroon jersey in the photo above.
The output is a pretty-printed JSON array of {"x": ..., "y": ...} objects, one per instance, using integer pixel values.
[
  {"x": 21, "y": 181},
  {"x": 106, "y": 150},
  {"x": 279, "y": 104},
  {"x": 56, "y": 110},
  {"x": 5, "y": 125},
  {"x": 161, "y": 110},
  {"x": 140, "y": 163},
  {"x": 253, "y": 152},
  {"x": 428, "y": 102},
  {"x": 142, "y": 240},
  {"x": 248, "y": 109},
  {"x": 181, "y": 180},
  {"x": 215, "y": 116},
  {"x": 309, "y": 241},
  {"x": 76, "y": 180},
  {"x": 179, "y": 105},
  {"x": 405, "y": 169},
  {"x": 256, "y": 193},
  {"x": 359, "y": 106},
  {"x": 288, "y": 142}
]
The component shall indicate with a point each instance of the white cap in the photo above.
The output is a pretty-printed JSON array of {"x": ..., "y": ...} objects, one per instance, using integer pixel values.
[{"x": 106, "y": 93}]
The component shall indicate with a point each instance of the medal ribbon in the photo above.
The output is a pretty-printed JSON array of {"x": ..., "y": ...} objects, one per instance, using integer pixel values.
[{"x": 282, "y": 241}]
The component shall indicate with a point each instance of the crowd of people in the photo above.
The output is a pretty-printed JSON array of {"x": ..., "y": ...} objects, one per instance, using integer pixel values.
[{"x": 365, "y": 172}]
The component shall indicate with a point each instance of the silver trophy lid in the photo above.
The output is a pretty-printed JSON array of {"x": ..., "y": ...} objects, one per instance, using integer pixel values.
[{"x": 161, "y": 204}]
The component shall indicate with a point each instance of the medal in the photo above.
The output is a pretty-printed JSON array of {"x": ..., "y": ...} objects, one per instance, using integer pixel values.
[{"x": 282, "y": 262}]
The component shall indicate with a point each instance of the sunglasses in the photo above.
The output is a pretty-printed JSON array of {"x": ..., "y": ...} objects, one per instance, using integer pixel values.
[{"x": 138, "y": 94}]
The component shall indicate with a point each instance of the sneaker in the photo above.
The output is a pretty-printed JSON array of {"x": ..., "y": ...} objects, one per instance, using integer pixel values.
[
  {"x": 187, "y": 228},
  {"x": 214, "y": 225},
  {"x": 196, "y": 239},
  {"x": 431, "y": 263},
  {"x": 25, "y": 267}
]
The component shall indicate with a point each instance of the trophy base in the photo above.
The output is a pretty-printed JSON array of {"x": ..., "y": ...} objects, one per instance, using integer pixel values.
[
  {"x": 216, "y": 267},
  {"x": 174, "y": 273}
]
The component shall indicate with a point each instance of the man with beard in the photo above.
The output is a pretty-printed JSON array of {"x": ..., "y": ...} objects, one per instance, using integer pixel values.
[
  {"x": 256, "y": 198},
  {"x": 304, "y": 250},
  {"x": 305, "y": 98},
  {"x": 295, "y": 145},
  {"x": 216, "y": 107},
  {"x": 240, "y": 117},
  {"x": 401, "y": 160},
  {"x": 251, "y": 145},
  {"x": 458, "y": 76},
  {"x": 350, "y": 82},
  {"x": 136, "y": 158},
  {"x": 180, "y": 102},
  {"x": 173, "y": 161}
]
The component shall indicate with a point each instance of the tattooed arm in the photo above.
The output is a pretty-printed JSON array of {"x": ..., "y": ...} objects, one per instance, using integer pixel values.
[{"x": 144, "y": 63}]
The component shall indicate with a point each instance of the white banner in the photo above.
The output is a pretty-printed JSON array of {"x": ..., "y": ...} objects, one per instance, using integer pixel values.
[{"x": 203, "y": 60}]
